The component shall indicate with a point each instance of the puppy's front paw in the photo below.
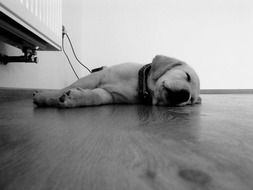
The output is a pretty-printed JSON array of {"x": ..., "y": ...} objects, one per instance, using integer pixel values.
[{"x": 45, "y": 98}]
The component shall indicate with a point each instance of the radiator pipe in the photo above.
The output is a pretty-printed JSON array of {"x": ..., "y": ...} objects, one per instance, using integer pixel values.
[{"x": 30, "y": 56}]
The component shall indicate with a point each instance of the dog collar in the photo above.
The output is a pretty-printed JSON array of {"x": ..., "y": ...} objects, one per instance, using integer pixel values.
[{"x": 143, "y": 91}]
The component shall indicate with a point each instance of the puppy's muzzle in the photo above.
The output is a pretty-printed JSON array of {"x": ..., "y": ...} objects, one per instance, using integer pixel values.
[{"x": 176, "y": 97}]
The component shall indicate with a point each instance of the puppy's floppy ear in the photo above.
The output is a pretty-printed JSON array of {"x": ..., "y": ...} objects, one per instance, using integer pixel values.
[{"x": 160, "y": 64}]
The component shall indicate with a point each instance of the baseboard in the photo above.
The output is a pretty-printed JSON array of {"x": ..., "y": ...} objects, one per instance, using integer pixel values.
[
  {"x": 27, "y": 92},
  {"x": 226, "y": 91}
]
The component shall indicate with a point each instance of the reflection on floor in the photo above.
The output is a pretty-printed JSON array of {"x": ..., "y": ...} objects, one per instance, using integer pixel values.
[{"x": 208, "y": 146}]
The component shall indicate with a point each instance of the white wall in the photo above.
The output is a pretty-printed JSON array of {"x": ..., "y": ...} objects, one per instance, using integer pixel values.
[
  {"x": 53, "y": 70},
  {"x": 214, "y": 36}
]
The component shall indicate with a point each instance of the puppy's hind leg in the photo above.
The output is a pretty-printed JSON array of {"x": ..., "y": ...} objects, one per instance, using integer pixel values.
[
  {"x": 90, "y": 81},
  {"x": 78, "y": 97},
  {"x": 50, "y": 98}
]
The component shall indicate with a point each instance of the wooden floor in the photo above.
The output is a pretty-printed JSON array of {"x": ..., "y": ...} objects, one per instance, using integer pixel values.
[{"x": 202, "y": 147}]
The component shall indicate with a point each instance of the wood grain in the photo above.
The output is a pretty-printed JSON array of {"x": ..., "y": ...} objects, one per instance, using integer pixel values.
[{"x": 208, "y": 146}]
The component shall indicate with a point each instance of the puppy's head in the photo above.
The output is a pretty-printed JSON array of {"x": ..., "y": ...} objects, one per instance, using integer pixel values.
[{"x": 173, "y": 82}]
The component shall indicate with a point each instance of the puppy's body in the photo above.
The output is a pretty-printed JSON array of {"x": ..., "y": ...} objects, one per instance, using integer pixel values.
[
  {"x": 167, "y": 82},
  {"x": 120, "y": 81}
]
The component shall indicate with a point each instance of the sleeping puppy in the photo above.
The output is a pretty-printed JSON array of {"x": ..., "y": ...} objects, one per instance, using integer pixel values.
[{"x": 164, "y": 82}]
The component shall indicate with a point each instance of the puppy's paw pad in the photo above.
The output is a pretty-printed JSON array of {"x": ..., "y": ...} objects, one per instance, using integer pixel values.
[
  {"x": 68, "y": 92},
  {"x": 65, "y": 96},
  {"x": 62, "y": 98},
  {"x": 35, "y": 93}
]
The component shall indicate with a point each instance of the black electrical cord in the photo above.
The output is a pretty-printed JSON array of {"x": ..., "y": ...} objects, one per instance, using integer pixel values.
[
  {"x": 68, "y": 57},
  {"x": 75, "y": 53}
]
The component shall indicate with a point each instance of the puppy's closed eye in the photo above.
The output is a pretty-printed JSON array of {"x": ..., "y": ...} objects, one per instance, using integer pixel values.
[{"x": 188, "y": 77}]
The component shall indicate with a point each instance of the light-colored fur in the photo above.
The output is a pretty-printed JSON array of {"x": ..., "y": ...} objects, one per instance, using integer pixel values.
[{"x": 119, "y": 84}]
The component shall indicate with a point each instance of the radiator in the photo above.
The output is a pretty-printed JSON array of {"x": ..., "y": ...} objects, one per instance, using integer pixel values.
[{"x": 35, "y": 24}]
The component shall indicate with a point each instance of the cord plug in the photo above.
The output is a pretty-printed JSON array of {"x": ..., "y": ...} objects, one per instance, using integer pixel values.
[{"x": 64, "y": 31}]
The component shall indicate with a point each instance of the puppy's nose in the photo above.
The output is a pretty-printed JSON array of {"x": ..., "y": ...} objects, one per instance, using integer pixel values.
[{"x": 177, "y": 96}]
